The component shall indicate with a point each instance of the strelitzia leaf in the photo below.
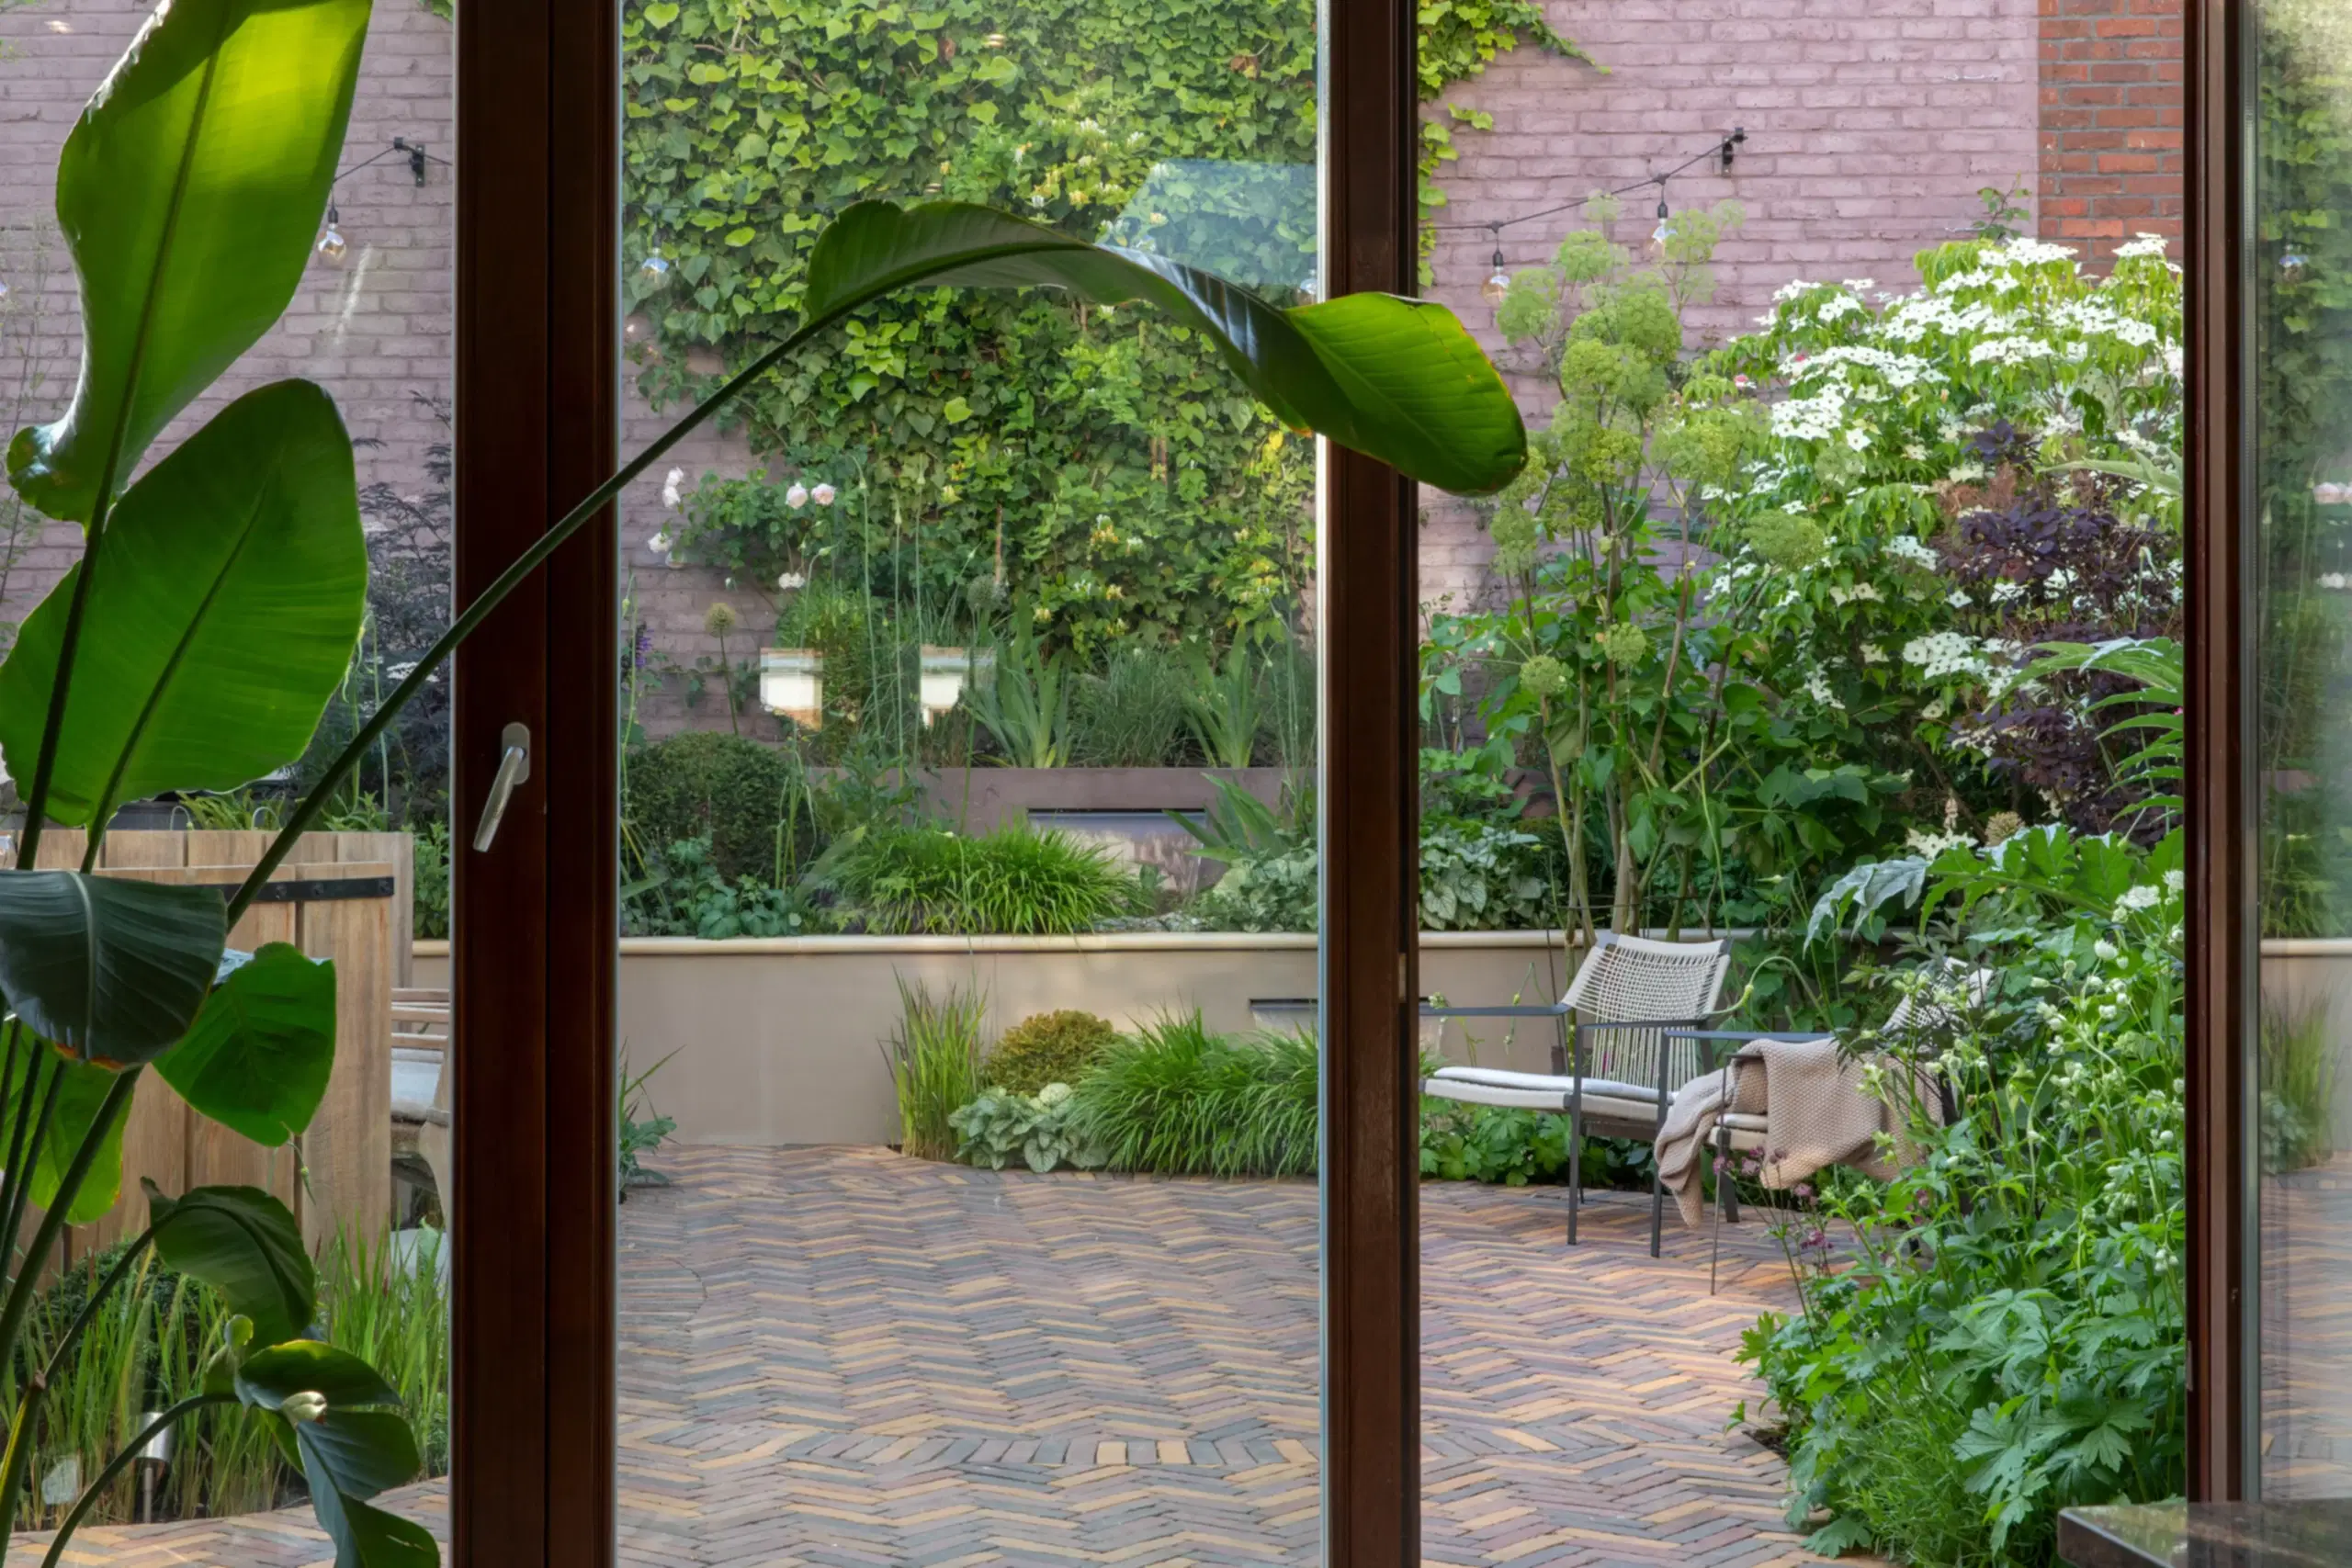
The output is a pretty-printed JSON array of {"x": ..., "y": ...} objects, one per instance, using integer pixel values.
[
  {"x": 1397, "y": 379},
  {"x": 112, "y": 969},
  {"x": 229, "y": 595},
  {"x": 189, "y": 192}
]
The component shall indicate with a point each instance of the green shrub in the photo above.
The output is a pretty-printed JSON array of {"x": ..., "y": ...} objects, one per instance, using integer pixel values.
[
  {"x": 1011, "y": 882},
  {"x": 934, "y": 1055},
  {"x": 1046, "y": 1048},
  {"x": 748, "y": 799},
  {"x": 1179, "y": 1099},
  {"x": 1002, "y": 1126},
  {"x": 429, "y": 882}
]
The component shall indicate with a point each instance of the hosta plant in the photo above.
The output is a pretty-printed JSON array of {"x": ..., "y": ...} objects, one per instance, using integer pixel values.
[{"x": 218, "y": 601}]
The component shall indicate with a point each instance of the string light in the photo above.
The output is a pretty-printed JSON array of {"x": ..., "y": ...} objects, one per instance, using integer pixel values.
[
  {"x": 1720, "y": 151},
  {"x": 1497, "y": 284},
  {"x": 332, "y": 246}
]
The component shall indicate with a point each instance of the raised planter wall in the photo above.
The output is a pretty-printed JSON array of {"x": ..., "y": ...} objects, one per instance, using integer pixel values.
[{"x": 780, "y": 1042}]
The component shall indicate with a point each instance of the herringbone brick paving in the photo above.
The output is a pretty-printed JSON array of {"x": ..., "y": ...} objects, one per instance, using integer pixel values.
[{"x": 840, "y": 1358}]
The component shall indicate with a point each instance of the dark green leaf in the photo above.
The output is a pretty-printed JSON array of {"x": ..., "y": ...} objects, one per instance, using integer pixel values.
[
  {"x": 370, "y": 1538},
  {"x": 80, "y": 1099},
  {"x": 245, "y": 1244},
  {"x": 222, "y": 615},
  {"x": 367, "y": 1451},
  {"x": 1398, "y": 379},
  {"x": 112, "y": 969},
  {"x": 258, "y": 1057},
  {"x": 270, "y": 1376},
  {"x": 189, "y": 192}
]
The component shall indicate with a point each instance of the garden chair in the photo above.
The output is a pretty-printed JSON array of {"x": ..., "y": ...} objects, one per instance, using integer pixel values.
[
  {"x": 1614, "y": 1070},
  {"x": 1919, "y": 1021}
]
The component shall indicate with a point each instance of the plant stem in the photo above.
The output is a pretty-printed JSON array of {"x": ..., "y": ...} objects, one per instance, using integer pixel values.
[
  {"x": 29, "y": 1150},
  {"x": 53, "y": 727},
  {"x": 130, "y": 1255},
  {"x": 20, "y": 1294},
  {"x": 117, "y": 1465}
]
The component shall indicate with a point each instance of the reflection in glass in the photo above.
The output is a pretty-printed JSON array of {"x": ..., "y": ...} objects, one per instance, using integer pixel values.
[{"x": 2302, "y": 376}]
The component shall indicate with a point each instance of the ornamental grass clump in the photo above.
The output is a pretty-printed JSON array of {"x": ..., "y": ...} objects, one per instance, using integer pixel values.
[
  {"x": 1178, "y": 1097},
  {"x": 934, "y": 1055},
  {"x": 1013, "y": 882}
]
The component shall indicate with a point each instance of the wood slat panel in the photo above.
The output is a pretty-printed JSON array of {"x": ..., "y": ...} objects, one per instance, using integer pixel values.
[{"x": 349, "y": 1150}]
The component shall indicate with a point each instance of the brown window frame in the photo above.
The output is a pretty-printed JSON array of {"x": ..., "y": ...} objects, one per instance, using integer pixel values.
[
  {"x": 2223, "y": 922},
  {"x": 534, "y": 961}
]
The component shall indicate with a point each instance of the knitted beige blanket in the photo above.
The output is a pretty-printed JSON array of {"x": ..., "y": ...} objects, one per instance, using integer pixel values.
[{"x": 1822, "y": 1108}]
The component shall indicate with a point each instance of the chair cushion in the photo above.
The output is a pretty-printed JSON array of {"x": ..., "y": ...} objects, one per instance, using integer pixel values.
[
  {"x": 1469, "y": 1092},
  {"x": 1494, "y": 1077}
]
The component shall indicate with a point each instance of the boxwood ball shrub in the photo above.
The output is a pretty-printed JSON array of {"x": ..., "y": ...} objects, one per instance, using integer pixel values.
[
  {"x": 1046, "y": 1048},
  {"x": 731, "y": 791}
]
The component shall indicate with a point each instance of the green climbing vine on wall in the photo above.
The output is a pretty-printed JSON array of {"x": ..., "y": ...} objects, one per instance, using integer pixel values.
[{"x": 1098, "y": 464}]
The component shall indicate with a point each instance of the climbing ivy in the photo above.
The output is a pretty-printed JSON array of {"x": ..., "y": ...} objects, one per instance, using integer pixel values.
[{"x": 1100, "y": 465}]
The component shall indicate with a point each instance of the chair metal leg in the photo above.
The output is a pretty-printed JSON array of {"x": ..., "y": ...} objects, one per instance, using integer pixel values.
[
  {"x": 1723, "y": 1198},
  {"x": 1657, "y": 1209},
  {"x": 1575, "y": 1170}
]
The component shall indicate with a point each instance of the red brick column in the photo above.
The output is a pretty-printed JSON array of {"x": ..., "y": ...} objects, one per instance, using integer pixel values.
[{"x": 2110, "y": 121}]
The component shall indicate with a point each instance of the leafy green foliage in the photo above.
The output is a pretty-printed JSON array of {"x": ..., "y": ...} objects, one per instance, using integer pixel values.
[
  {"x": 681, "y": 894},
  {"x": 746, "y": 800},
  {"x": 1178, "y": 1097},
  {"x": 1131, "y": 714},
  {"x": 934, "y": 1054},
  {"x": 173, "y": 288},
  {"x": 258, "y": 1057},
  {"x": 2009, "y": 1342},
  {"x": 1009, "y": 433},
  {"x": 1005, "y": 1124},
  {"x": 1047, "y": 1048},
  {"x": 251, "y": 522},
  {"x": 110, "y": 970},
  {"x": 643, "y": 1129},
  {"x": 1011, "y": 882},
  {"x": 243, "y": 1243},
  {"x": 1025, "y": 703}
]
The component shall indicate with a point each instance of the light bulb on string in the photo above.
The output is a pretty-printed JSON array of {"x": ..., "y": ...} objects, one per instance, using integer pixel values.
[
  {"x": 331, "y": 245},
  {"x": 1497, "y": 282},
  {"x": 1659, "y": 234},
  {"x": 654, "y": 270}
]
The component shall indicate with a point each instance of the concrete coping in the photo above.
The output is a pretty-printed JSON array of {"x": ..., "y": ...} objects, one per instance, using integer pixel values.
[{"x": 1092, "y": 941}]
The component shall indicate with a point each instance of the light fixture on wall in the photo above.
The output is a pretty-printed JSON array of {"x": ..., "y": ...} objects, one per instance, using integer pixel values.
[
  {"x": 331, "y": 245},
  {"x": 1497, "y": 282},
  {"x": 792, "y": 682},
  {"x": 1658, "y": 235}
]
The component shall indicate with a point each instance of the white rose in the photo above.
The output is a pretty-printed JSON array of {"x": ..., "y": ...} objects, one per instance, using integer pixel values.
[
  {"x": 824, "y": 494},
  {"x": 790, "y": 581},
  {"x": 659, "y": 543},
  {"x": 797, "y": 496}
]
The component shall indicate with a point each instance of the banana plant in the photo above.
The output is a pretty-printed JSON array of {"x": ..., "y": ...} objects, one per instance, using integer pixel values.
[{"x": 218, "y": 596}]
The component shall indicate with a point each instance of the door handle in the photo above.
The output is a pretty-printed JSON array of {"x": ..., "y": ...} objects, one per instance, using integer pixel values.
[{"x": 513, "y": 767}]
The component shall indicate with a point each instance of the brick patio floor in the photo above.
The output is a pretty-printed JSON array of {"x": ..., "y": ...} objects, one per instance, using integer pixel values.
[{"x": 841, "y": 1358}]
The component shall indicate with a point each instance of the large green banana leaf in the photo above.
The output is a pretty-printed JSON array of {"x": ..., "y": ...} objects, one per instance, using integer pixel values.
[
  {"x": 227, "y": 601},
  {"x": 1398, "y": 379},
  {"x": 189, "y": 191},
  {"x": 112, "y": 969}
]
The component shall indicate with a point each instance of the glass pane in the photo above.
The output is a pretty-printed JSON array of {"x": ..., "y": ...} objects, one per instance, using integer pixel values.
[
  {"x": 953, "y": 663},
  {"x": 2302, "y": 503},
  {"x": 1841, "y": 417},
  {"x": 370, "y": 321}
]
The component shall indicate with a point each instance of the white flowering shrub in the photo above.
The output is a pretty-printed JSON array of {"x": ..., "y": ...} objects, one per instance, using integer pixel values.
[{"x": 1990, "y": 463}]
